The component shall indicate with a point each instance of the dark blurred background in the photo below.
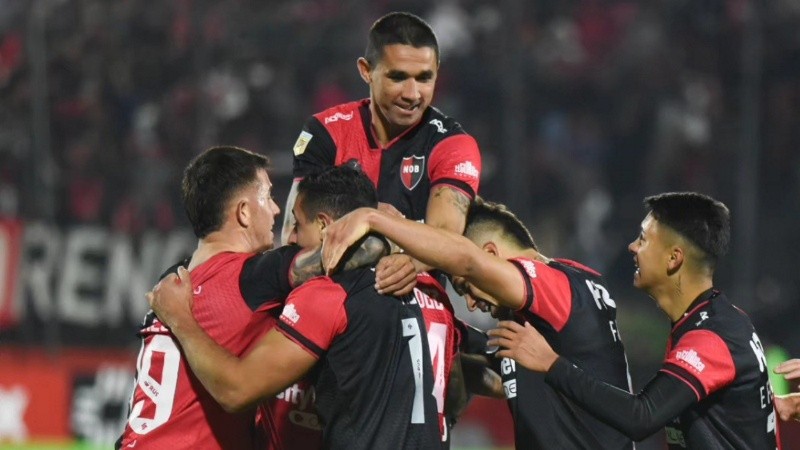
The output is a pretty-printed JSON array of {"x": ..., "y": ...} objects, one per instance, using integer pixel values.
[{"x": 581, "y": 108}]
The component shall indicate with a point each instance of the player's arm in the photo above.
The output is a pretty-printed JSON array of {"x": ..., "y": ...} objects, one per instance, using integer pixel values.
[
  {"x": 308, "y": 263},
  {"x": 235, "y": 383},
  {"x": 436, "y": 247},
  {"x": 788, "y": 406},
  {"x": 635, "y": 415}
]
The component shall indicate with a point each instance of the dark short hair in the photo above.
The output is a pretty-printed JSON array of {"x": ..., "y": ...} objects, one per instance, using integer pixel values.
[
  {"x": 703, "y": 221},
  {"x": 336, "y": 191},
  {"x": 399, "y": 28},
  {"x": 497, "y": 216},
  {"x": 211, "y": 179}
]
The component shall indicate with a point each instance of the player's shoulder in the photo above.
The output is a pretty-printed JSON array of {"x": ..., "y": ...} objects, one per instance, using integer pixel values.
[
  {"x": 344, "y": 112},
  {"x": 441, "y": 124}
]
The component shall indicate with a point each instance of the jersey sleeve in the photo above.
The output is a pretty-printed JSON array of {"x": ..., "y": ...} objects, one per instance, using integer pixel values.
[
  {"x": 701, "y": 360},
  {"x": 456, "y": 161},
  {"x": 264, "y": 281},
  {"x": 548, "y": 294},
  {"x": 635, "y": 415},
  {"x": 314, "y": 315},
  {"x": 313, "y": 150}
]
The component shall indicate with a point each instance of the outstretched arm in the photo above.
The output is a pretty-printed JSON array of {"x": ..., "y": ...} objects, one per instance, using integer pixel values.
[
  {"x": 235, "y": 383},
  {"x": 439, "y": 248},
  {"x": 635, "y": 415}
]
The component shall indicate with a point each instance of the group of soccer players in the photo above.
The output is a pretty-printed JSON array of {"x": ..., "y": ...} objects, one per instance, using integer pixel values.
[{"x": 247, "y": 347}]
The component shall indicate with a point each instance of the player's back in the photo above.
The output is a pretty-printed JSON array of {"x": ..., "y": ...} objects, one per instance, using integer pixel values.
[
  {"x": 375, "y": 380},
  {"x": 169, "y": 407},
  {"x": 568, "y": 304}
]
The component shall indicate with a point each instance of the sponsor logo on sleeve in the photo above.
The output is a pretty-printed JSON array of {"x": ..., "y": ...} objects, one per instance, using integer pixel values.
[
  {"x": 467, "y": 169},
  {"x": 290, "y": 314},
  {"x": 302, "y": 142},
  {"x": 439, "y": 126},
  {"x": 529, "y": 266},
  {"x": 691, "y": 358},
  {"x": 338, "y": 116},
  {"x": 411, "y": 170}
]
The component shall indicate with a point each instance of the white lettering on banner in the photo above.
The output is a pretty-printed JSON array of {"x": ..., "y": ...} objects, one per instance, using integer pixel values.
[
  {"x": 98, "y": 276},
  {"x": 13, "y": 403},
  {"x": 94, "y": 404}
]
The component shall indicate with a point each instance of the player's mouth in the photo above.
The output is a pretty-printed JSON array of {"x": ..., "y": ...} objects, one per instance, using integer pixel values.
[
  {"x": 636, "y": 267},
  {"x": 408, "y": 108}
]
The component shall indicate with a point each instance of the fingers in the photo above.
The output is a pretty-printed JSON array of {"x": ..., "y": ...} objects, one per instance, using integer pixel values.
[
  {"x": 395, "y": 275},
  {"x": 183, "y": 275},
  {"x": 789, "y": 369}
]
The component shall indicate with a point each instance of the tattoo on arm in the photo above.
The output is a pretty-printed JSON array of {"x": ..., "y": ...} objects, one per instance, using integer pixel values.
[
  {"x": 308, "y": 264},
  {"x": 457, "y": 198}
]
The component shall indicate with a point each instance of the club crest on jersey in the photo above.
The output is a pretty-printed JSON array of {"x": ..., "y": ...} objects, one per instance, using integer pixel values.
[{"x": 411, "y": 170}]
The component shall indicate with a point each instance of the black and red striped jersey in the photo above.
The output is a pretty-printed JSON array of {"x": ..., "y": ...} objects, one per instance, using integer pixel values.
[
  {"x": 435, "y": 151},
  {"x": 715, "y": 350},
  {"x": 374, "y": 381},
  {"x": 569, "y": 305}
]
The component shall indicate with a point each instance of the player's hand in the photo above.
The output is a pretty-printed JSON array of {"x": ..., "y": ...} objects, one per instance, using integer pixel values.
[
  {"x": 340, "y": 235},
  {"x": 171, "y": 299},
  {"x": 395, "y": 275},
  {"x": 388, "y": 208},
  {"x": 523, "y": 344},
  {"x": 789, "y": 369},
  {"x": 788, "y": 406}
]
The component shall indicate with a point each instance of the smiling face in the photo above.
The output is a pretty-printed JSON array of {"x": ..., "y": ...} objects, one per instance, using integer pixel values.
[
  {"x": 651, "y": 255},
  {"x": 401, "y": 86}
]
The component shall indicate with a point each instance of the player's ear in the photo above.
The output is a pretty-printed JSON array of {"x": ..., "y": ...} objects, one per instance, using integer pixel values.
[
  {"x": 364, "y": 69},
  {"x": 491, "y": 247},
  {"x": 322, "y": 221},
  {"x": 243, "y": 213},
  {"x": 675, "y": 258}
]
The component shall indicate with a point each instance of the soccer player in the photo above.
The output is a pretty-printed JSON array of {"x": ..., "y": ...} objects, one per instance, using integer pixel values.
[
  {"x": 227, "y": 196},
  {"x": 226, "y": 193},
  {"x": 422, "y": 162},
  {"x": 788, "y": 406},
  {"x": 502, "y": 267},
  {"x": 373, "y": 368},
  {"x": 713, "y": 389}
]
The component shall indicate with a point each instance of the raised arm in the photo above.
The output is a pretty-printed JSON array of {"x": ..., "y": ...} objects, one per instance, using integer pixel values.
[
  {"x": 235, "y": 383},
  {"x": 436, "y": 247}
]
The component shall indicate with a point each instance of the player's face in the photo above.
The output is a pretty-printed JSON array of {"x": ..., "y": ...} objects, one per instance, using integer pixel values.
[
  {"x": 265, "y": 212},
  {"x": 307, "y": 231},
  {"x": 650, "y": 255},
  {"x": 402, "y": 84}
]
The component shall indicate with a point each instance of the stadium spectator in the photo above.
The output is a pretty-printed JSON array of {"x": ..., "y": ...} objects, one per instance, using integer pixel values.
[
  {"x": 501, "y": 266},
  {"x": 374, "y": 380},
  {"x": 713, "y": 389}
]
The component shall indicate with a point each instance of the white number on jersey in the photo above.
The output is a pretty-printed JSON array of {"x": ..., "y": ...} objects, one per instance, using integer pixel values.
[
  {"x": 411, "y": 328},
  {"x": 158, "y": 388}
]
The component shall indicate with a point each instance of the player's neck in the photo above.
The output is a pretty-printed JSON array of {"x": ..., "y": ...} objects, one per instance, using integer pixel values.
[
  {"x": 680, "y": 293},
  {"x": 384, "y": 130},
  {"x": 215, "y": 243}
]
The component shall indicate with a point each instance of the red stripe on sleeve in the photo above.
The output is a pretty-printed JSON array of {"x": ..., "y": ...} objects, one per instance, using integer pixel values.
[
  {"x": 456, "y": 157},
  {"x": 315, "y": 311},
  {"x": 704, "y": 355}
]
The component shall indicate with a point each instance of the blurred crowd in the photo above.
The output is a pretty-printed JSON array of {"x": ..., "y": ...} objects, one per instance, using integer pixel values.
[{"x": 597, "y": 103}]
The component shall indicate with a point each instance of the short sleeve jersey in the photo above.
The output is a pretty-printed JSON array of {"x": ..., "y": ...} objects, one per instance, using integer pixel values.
[
  {"x": 444, "y": 338},
  {"x": 233, "y": 293},
  {"x": 715, "y": 350},
  {"x": 435, "y": 151},
  {"x": 374, "y": 380},
  {"x": 569, "y": 305}
]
